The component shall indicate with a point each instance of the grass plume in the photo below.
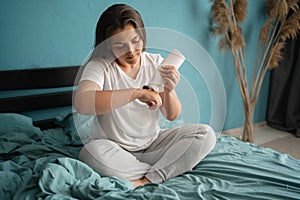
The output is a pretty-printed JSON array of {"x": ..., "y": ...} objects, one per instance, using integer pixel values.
[{"x": 282, "y": 23}]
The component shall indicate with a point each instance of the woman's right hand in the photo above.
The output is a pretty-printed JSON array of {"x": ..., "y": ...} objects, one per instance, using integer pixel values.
[{"x": 151, "y": 98}]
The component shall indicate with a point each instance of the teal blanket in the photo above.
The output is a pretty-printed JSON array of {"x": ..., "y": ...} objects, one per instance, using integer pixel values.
[{"x": 39, "y": 164}]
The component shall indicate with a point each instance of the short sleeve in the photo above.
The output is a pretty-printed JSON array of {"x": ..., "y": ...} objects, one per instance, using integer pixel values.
[
  {"x": 94, "y": 71},
  {"x": 154, "y": 59}
]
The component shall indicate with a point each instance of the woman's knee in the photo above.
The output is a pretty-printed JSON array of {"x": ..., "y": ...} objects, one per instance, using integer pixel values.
[
  {"x": 99, "y": 149},
  {"x": 109, "y": 159},
  {"x": 198, "y": 129},
  {"x": 204, "y": 134},
  {"x": 99, "y": 154},
  {"x": 210, "y": 136}
]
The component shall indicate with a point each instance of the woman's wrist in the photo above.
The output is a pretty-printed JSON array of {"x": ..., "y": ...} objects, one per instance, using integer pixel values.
[
  {"x": 137, "y": 93},
  {"x": 168, "y": 91}
]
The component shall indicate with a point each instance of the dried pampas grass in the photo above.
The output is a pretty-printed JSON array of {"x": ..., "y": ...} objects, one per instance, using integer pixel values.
[
  {"x": 291, "y": 27},
  {"x": 277, "y": 55},
  {"x": 239, "y": 9},
  {"x": 237, "y": 38},
  {"x": 293, "y": 5},
  {"x": 220, "y": 13},
  {"x": 265, "y": 31},
  {"x": 283, "y": 23}
]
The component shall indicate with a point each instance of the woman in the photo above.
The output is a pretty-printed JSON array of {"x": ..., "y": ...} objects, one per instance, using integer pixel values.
[{"x": 129, "y": 143}]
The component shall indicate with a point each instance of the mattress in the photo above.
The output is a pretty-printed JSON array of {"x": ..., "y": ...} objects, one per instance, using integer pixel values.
[{"x": 43, "y": 164}]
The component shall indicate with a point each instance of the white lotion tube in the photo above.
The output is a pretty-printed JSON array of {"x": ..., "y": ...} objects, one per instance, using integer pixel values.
[{"x": 175, "y": 58}]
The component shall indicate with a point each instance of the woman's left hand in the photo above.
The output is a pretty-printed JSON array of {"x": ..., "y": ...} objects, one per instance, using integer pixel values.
[{"x": 171, "y": 76}]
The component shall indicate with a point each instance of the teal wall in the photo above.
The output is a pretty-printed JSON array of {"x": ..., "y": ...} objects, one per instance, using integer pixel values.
[{"x": 47, "y": 33}]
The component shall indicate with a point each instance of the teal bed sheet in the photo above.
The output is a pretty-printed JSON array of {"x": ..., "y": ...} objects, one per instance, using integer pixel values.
[{"x": 39, "y": 164}]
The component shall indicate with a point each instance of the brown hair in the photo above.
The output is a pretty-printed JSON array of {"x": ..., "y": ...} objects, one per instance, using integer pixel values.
[{"x": 118, "y": 16}]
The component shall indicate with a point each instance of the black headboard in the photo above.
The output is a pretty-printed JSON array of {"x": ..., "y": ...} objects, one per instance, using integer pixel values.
[{"x": 43, "y": 78}]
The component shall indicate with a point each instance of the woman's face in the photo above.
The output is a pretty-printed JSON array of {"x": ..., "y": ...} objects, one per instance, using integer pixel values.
[{"x": 126, "y": 45}]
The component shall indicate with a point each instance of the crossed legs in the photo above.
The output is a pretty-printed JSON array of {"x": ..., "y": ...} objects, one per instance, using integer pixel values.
[{"x": 174, "y": 152}]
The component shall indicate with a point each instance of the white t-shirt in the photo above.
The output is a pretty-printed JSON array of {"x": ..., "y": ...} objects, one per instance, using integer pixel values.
[{"x": 133, "y": 126}]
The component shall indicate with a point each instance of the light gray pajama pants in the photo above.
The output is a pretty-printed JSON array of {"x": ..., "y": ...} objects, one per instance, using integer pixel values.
[{"x": 174, "y": 152}]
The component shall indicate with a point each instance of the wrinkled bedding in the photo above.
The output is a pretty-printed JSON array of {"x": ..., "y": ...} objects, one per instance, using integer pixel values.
[{"x": 37, "y": 164}]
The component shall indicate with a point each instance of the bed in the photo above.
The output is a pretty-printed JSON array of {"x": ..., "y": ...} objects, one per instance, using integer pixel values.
[{"x": 40, "y": 145}]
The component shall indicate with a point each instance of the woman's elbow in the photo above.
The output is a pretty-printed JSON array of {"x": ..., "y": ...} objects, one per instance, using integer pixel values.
[
  {"x": 82, "y": 106},
  {"x": 172, "y": 117},
  {"x": 173, "y": 114}
]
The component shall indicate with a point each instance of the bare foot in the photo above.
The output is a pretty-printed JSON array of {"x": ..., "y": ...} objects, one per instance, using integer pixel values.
[{"x": 140, "y": 182}]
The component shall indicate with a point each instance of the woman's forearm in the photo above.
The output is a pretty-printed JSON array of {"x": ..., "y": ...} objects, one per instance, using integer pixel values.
[
  {"x": 171, "y": 108},
  {"x": 102, "y": 101},
  {"x": 106, "y": 101}
]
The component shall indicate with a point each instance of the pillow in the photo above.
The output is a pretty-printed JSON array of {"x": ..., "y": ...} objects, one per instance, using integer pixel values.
[
  {"x": 80, "y": 127},
  {"x": 16, "y": 122}
]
